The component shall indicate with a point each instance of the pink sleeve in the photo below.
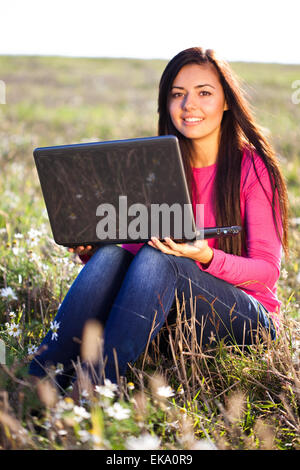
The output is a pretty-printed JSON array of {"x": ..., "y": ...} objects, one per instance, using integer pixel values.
[{"x": 261, "y": 268}]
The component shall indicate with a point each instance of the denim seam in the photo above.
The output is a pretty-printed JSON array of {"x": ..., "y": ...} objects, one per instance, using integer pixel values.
[
  {"x": 173, "y": 264},
  {"x": 170, "y": 300},
  {"x": 207, "y": 292},
  {"x": 179, "y": 274}
]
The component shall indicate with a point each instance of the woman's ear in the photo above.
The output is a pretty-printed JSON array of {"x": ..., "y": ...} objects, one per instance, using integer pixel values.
[{"x": 225, "y": 107}]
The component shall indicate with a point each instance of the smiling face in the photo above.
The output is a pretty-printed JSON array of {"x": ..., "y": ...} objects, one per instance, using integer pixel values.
[{"x": 196, "y": 104}]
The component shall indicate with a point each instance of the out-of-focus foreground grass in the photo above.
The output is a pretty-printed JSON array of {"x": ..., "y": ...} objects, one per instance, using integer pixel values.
[{"x": 226, "y": 399}]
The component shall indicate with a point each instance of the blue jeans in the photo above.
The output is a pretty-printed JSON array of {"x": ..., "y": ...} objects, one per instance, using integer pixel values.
[{"x": 125, "y": 293}]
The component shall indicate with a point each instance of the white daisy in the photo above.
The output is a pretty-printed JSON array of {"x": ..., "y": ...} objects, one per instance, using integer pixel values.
[
  {"x": 118, "y": 412},
  {"x": 34, "y": 234},
  {"x": 165, "y": 391},
  {"x": 284, "y": 274},
  {"x": 59, "y": 368},
  {"x": 84, "y": 435},
  {"x": 144, "y": 442},
  {"x": 34, "y": 257},
  {"x": 8, "y": 293},
  {"x": 107, "y": 390},
  {"x": 203, "y": 444},
  {"x": 32, "y": 349},
  {"x": 130, "y": 385},
  {"x": 13, "y": 329},
  {"x": 65, "y": 404},
  {"x": 81, "y": 413},
  {"x": 54, "y": 326}
]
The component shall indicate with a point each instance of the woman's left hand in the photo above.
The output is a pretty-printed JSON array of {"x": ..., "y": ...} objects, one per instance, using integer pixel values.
[{"x": 198, "y": 250}]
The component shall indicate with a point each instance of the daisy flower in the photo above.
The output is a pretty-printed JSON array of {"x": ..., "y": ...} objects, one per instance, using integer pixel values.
[
  {"x": 144, "y": 442},
  {"x": 130, "y": 385},
  {"x": 59, "y": 368},
  {"x": 165, "y": 391},
  {"x": 84, "y": 435},
  {"x": 13, "y": 329},
  {"x": 8, "y": 293},
  {"x": 34, "y": 236},
  {"x": 284, "y": 274},
  {"x": 118, "y": 412},
  {"x": 32, "y": 349},
  {"x": 54, "y": 326},
  {"x": 107, "y": 390},
  {"x": 80, "y": 413}
]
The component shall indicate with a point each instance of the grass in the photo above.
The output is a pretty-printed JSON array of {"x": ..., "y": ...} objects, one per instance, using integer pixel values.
[{"x": 222, "y": 398}]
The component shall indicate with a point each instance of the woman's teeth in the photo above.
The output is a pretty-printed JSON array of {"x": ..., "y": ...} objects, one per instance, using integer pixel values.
[{"x": 193, "y": 119}]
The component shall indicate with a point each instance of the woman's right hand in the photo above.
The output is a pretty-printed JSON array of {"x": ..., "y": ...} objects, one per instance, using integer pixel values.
[{"x": 82, "y": 250}]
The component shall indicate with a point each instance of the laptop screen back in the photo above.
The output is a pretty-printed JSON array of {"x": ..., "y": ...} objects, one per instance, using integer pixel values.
[{"x": 116, "y": 192}]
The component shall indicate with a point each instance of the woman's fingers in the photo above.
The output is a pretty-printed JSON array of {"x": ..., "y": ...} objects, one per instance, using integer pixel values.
[
  {"x": 161, "y": 246},
  {"x": 189, "y": 250},
  {"x": 82, "y": 249},
  {"x": 174, "y": 246}
]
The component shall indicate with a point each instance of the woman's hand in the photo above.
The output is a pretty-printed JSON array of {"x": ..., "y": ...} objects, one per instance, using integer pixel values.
[
  {"x": 82, "y": 250},
  {"x": 198, "y": 250}
]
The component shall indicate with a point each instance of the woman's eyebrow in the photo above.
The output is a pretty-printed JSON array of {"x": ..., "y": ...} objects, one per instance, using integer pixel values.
[{"x": 197, "y": 86}]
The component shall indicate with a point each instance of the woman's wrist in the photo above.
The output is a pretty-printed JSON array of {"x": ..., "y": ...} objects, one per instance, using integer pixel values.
[{"x": 206, "y": 258}]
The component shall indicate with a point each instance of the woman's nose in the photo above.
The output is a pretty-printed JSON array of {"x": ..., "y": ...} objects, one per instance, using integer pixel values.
[{"x": 189, "y": 102}]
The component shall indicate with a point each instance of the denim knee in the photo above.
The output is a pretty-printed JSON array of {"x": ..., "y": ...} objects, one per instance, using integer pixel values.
[
  {"x": 109, "y": 251},
  {"x": 155, "y": 261},
  {"x": 106, "y": 256}
]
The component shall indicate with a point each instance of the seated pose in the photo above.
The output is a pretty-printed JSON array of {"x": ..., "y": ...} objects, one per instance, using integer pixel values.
[{"x": 232, "y": 170}]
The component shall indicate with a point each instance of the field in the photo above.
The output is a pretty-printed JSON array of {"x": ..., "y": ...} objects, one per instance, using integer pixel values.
[{"x": 226, "y": 398}]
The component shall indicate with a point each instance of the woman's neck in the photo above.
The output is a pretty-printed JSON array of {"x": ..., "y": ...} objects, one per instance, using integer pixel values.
[{"x": 204, "y": 153}]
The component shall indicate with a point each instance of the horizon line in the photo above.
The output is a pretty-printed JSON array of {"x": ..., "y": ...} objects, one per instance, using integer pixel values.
[{"x": 68, "y": 56}]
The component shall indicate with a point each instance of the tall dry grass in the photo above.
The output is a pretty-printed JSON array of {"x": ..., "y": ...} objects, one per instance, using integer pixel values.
[{"x": 181, "y": 397}]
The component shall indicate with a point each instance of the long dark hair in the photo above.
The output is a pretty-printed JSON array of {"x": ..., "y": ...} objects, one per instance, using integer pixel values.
[{"x": 238, "y": 131}]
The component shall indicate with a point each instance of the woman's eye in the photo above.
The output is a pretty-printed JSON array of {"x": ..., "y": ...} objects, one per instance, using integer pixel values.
[
  {"x": 205, "y": 93},
  {"x": 176, "y": 95}
]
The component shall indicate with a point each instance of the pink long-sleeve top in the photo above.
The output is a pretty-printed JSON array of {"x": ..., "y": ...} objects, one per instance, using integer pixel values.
[{"x": 257, "y": 271}]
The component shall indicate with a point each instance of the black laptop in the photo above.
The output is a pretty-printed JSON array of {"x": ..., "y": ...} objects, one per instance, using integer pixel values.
[{"x": 122, "y": 191}]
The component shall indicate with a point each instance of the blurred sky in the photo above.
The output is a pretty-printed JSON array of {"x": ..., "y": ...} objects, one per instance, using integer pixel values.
[{"x": 252, "y": 30}]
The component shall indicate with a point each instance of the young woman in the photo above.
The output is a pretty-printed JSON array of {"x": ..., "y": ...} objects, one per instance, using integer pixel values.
[{"x": 232, "y": 170}]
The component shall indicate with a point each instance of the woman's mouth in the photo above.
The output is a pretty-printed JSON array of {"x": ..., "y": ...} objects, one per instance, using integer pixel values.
[{"x": 191, "y": 121}]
